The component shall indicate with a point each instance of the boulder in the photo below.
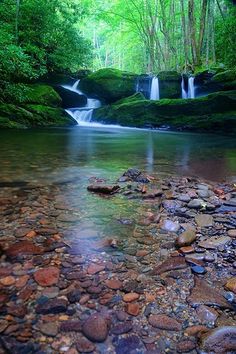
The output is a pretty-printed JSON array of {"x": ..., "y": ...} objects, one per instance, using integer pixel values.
[
  {"x": 169, "y": 84},
  {"x": 42, "y": 94},
  {"x": 109, "y": 85},
  {"x": 215, "y": 112},
  {"x": 12, "y": 116},
  {"x": 71, "y": 99}
]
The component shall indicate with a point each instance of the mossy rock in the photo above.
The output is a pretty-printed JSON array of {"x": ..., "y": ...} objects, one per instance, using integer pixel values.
[
  {"x": 169, "y": 84},
  {"x": 109, "y": 85},
  {"x": 138, "y": 96},
  {"x": 12, "y": 116},
  {"x": 225, "y": 76},
  {"x": 192, "y": 114},
  {"x": 44, "y": 95}
]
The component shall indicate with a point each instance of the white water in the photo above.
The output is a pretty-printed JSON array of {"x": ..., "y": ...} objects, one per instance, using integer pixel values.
[
  {"x": 82, "y": 115},
  {"x": 73, "y": 88},
  {"x": 191, "y": 89},
  {"x": 155, "y": 92},
  {"x": 184, "y": 93}
]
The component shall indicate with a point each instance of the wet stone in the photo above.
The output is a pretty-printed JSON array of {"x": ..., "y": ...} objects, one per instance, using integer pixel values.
[
  {"x": 95, "y": 328},
  {"x": 71, "y": 326},
  {"x": 221, "y": 340},
  {"x": 164, "y": 322},
  {"x": 122, "y": 328},
  {"x": 215, "y": 242},
  {"x": 130, "y": 344},
  {"x": 50, "y": 329},
  {"x": 231, "y": 285},
  {"x": 170, "y": 226},
  {"x": 186, "y": 238},
  {"x": 185, "y": 346},
  {"x": 204, "y": 220},
  {"x": 47, "y": 276},
  {"x": 172, "y": 263},
  {"x": 52, "y": 306},
  {"x": 206, "y": 294},
  {"x": 83, "y": 345},
  {"x": 207, "y": 315},
  {"x": 195, "y": 204},
  {"x": 74, "y": 296},
  {"x": 23, "y": 248},
  {"x": 198, "y": 269}
]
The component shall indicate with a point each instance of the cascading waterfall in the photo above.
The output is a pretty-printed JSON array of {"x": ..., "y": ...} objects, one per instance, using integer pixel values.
[
  {"x": 155, "y": 92},
  {"x": 191, "y": 89},
  {"x": 82, "y": 115},
  {"x": 184, "y": 93}
]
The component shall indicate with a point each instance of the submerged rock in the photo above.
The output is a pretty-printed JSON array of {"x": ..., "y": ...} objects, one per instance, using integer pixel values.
[
  {"x": 95, "y": 328},
  {"x": 221, "y": 340},
  {"x": 97, "y": 188}
]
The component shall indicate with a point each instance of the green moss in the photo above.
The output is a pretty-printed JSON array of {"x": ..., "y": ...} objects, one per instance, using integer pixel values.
[
  {"x": 109, "y": 85},
  {"x": 43, "y": 94},
  {"x": 33, "y": 116},
  {"x": 169, "y": 76},
  {"x": 205, "y": 113},
  {"x": 225, "y": 76},
  {"x": 138, "y": 96},
  {"x": 170, "y": 84}
]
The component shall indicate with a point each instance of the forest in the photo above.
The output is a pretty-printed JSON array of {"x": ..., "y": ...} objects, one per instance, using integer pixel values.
[{"x": 117, "y": 176}]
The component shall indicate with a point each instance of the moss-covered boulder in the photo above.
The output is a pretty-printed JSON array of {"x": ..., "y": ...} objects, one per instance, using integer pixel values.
[
  {"x": 225, "y": 76},
  {"x": 169, "y": 84},
  {"x": 42, "y": 94},
  {"x": 12, "y": 116},
  {"x": 213, "y": 112},
  {"x": 109, "y": 85}
]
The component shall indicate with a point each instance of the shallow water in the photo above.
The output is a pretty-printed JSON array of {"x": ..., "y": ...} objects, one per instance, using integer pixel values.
[{"x": 49, "y": 155}]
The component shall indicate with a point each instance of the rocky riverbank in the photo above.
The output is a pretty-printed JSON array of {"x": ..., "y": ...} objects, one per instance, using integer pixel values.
[{"x": 167, "y": 286}]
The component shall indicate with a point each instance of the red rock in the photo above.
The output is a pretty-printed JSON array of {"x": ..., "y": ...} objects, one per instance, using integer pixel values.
[
  {"x": 47, "y": 276},
  {"x": 205, "y": 294},
  {"x": 113, "y": 284},
  {"x": 21, "y": 282},
  {"x": 142, "y": 253},
  {"x": 164, "y": 322},
  {"x": 23, "y": 248},
  {"x": 133, "y": 309},
  {"x": 131, "y": 297},
  {"x": 185, "y": 346},
  {"x": 7, "y": 281},
  {"x": 31, "y": 234},
  {"x": 195, "y": 330},
  {"x": 95, "y": 268},
  {"x": 4, "y": 272},
  {"x": 26, "y": 293},
  {"x": 95, "y": 328},
  {"x": 186, "y": 250},
  {"x": 172, "y": 263}
]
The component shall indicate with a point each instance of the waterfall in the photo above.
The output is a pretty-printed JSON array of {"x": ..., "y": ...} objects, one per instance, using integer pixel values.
[
  {"x": 155, "y": 93},
  {"x": 82, "y": 115},
  {"x": 191, "y": 89},
  {"x": 184, "y": 93}
]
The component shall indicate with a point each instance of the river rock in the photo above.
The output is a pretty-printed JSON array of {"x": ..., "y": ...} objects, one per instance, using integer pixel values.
[
  {"x": 47, "y": 276},
  {"x": 231, "y": 284},
  {"x": 195, "y": 203},
  {"x": 71, "y": 326},
  {"x": 172, "y": 263},
  {"x": 133, "y": 309},
  {"x": 185, "y": 346},
  {"x": 204, "y": 220},
  {"x": 95, "y": 328},
  {"x": 122, "y": 328},
  {"x": 52, "y": 306},
  {"x": 205, "y": 294},
  {"x": 129, "y": 345},
  {"x": 221, "y": 340},
  {"x": 207, "y": 315},
  {"x": 50, "y": 329},
  {"x": 170, "y": 226},
  {"x": 186, "y": 238},
  {"x": 97, "y": 188},
  {"x": 214, "y": 242},
  {"x": 164, "y": 322},
  {"x": 23, "y": 248},
  {"x": 83, "y": 345},
  {"x": 232, "y": 233},
  {"x": 113, "y": 284},
  {"x": 131, "y": 297}
]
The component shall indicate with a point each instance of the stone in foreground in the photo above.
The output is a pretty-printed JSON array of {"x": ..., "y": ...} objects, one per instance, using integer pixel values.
[
  {"x": 221, "y": 340},
  {"x": 95, "y": 328}
]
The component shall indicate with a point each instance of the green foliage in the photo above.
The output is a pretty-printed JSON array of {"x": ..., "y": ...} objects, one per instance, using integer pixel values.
[{"x": 37, "y": 37}]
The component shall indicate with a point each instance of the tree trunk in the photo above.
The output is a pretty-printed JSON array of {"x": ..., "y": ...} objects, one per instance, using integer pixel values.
[
  {"x": 184, "y": 34},
  {"x": 201, "y": 30},
  {"x": 192, "y": 31}
]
